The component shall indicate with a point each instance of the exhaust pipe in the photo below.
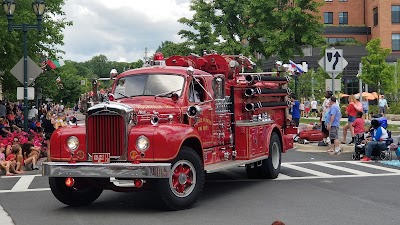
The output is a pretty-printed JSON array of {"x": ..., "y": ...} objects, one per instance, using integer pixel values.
[
  {"x": 255, "y": 78},
  {"x": 258, "y": 105},
  {"x": 250, "y": 92}
]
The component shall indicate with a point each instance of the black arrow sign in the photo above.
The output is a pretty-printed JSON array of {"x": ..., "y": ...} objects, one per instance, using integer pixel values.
[{"x": 337, "y": 55}]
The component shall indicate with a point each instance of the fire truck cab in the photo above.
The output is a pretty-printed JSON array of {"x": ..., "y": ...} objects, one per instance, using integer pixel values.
[{"x": 165, "y": 126}]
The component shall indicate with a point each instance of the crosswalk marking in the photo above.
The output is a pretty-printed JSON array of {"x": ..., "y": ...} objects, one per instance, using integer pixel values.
[
  {"x": 24, "y": 181},
  {"x": 305, "y": 170},
  {"x": 357, "y": 172}
]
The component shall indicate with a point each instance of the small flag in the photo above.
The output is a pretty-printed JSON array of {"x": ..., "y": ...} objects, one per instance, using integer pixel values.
[
  {"x": 297, "y": 67},
  {"x": 52, "y": 63},
  {"x": 58, "y": 79},
  {"x": 43, "y": 66}
]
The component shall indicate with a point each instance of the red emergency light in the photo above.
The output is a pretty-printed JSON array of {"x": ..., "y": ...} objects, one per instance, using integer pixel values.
[{"x": 158, "y": 56}]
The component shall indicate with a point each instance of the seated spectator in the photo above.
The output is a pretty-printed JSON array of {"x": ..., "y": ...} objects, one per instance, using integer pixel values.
[
  {"x": 15, "y": 165},
  {"x": 377, "y": 140},
  {"x": 3, "y": 130},
  {"x": 4, "y": 165},
  {"x": 30, "y": 152},
  {"x": 358, "y": 125}
]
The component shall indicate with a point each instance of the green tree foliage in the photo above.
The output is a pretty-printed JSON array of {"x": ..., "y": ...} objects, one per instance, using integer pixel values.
[
  {"x": 246, "y": 26},
  {"x": 309, "y": 81},
  {"x": 375, "y": 71},
  {"x": 169, "y": 48}
]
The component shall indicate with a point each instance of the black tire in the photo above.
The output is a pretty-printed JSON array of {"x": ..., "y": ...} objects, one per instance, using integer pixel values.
[
  {"x": 176, "y": 192},
  {"x": 271, "y": 166},
  {"x": 73, "y": 196}
]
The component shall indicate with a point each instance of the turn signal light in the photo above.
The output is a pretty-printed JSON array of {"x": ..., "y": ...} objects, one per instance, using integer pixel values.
[{"x": 69, "y": 181}]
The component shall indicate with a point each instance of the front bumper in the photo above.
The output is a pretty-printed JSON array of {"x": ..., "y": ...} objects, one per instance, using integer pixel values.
[{"x": 95, "y": 170}]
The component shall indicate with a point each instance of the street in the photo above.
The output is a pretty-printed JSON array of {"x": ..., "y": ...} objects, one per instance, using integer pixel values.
[{"x": 314, "y": 188}]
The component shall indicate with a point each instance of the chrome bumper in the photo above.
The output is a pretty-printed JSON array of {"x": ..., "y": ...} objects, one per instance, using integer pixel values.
[{"x": 120, "y": 170}]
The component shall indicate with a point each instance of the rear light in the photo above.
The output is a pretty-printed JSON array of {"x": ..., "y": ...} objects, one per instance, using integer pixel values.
[
  {"x": 69, "y": 181},
  {"x": 111, "y": 97},
  {"x": 138, "y": 183}
]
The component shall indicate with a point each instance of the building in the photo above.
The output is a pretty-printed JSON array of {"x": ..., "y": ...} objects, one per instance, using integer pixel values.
[{"x": 356, "y": 20}]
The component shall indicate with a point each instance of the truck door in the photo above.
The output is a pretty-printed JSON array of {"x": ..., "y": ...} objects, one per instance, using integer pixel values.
[{"x": 198, "y": 96}]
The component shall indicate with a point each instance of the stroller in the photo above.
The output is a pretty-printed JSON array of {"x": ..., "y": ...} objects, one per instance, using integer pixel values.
[{"x": 359, "y": 147}]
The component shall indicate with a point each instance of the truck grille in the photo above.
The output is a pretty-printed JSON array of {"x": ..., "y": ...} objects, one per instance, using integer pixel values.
[{"x": 106, "y": 134}]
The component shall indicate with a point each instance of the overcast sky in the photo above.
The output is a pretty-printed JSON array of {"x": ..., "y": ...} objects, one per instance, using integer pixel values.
[{"x": 121, "y": 29}]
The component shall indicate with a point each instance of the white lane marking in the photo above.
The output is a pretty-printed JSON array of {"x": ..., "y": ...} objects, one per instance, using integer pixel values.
[
  {"x": 34, "y": 175},
  {"x": 305, "y": 170},
  {"x": 23, "y": 184},
  {"x": 5, "y": 218},
  {"x": 283, "y": 176},
  {"x": 357, "y": 172},
  {"x": 26, "y": 190},
  {"x": 374, "y": 166}
]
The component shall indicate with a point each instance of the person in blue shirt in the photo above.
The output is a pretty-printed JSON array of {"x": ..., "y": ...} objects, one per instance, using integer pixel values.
[
  {"x": 295, "y": 109},
  {"x": 377, "y": 140},
  {"x": 332, "y": 125}
]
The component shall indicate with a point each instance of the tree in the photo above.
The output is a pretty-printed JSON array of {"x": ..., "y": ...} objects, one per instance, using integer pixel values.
[
  {"x": 279, "y": 27},
  {"x": 169, "y": 48},
  {"x": 375, "y": 70},
  {"x": 39, "y": 44}
]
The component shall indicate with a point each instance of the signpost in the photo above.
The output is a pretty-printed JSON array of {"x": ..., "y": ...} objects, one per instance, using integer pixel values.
[{"x": 333, "y": 63}]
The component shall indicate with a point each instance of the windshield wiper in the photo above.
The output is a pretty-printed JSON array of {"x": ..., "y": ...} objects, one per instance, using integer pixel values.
[
  {"x": 166, "y": 93},
  {"x": 123, "y": 95}
]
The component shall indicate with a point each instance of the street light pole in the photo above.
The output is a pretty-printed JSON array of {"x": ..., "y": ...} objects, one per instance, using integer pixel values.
[{"x": 38, "y": 7}]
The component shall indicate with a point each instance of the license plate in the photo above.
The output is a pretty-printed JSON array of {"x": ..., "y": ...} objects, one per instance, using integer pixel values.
[{"x": 101, "y": 158}]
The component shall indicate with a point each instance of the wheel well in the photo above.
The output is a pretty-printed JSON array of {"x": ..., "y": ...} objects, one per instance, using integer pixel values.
[
  {"x": 276, "y": 130},
  {"x": 195, "y": 144}
]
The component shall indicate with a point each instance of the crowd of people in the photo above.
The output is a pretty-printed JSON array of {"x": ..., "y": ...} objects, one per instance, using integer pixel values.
[
  {"x": 357, "y": 113},
  {"x": 20, "y": 150}
]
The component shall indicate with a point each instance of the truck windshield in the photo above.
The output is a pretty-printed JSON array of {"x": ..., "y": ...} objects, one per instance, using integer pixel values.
[{"x": 148, "y": 85}]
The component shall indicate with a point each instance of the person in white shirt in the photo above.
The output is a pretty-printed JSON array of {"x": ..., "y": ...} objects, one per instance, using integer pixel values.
[
  {"x": 33, "y": 113},
  {"x": 314, "y": 105}
]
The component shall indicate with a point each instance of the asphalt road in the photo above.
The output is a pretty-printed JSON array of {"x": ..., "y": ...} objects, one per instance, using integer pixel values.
[{"x": 314, "y": 188}]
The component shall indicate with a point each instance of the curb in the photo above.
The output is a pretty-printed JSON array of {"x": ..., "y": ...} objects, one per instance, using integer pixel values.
[{"x": 313, "y": 147}]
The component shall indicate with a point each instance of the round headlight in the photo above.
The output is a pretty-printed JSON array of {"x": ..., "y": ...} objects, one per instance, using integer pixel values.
[
  {"x": 142, "y": 143},
  {"x": 72, "y": 143}
]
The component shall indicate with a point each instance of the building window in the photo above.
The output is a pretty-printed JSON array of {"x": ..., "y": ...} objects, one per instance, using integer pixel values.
[
  {"x": 328, "y": 17},
  {"x": 342, "y": 0},
  {"x": 375, "y": 12},
  {"x": 328, "y": 0},
  {"x": 395, "y": 42},
  {"x": 343, "y": 18},
  {"x": 395, "y": 13}
]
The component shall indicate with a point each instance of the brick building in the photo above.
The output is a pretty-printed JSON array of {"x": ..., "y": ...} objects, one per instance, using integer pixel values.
[{"x": 360, "y": 20}]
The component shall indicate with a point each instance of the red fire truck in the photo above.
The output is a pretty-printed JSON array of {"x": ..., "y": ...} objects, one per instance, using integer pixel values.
[{"x": 165, "y": 126}]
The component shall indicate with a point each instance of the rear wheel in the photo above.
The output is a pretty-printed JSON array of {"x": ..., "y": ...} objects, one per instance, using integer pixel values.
[
  {"x": 185, "y": 183},
  {"x": 271, "y": 166},
  {"x": 78, "y": 195}
]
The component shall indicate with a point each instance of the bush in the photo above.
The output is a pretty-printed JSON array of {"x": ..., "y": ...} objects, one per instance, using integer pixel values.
[{"x": 394, "y": 108}]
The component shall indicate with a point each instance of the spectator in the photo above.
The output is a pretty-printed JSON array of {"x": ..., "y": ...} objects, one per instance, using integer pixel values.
[
  {"x": 377, "y": 140},
  {"x": 325, "y": 110},
  {"x": 4, "y": 165},
  {"x": 13, "y": 158},
  {"x": 33, "y": 113},
  {"x": 3, "y": 110},
  {"x": 358, "y": 125},
  {"x": 382, "y": 103},
  {"x": 333, "y": 126},
  {"x": 302, "y": 108},
  {"x": 307, "y": 107},
  {"x": 30, "y": 153},
  {"x": 48, "y": 126},
  {"x": 314, "y": 106},
  {"x": 351, "y": 116},
  {"x": 295, "y": 109},
  {"x": 365, "y": 105},
  {"x": 3, "y": 130}
]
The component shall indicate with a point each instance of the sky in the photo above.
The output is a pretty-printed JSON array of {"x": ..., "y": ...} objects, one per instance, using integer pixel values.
[{"x": 121, "y": 29}]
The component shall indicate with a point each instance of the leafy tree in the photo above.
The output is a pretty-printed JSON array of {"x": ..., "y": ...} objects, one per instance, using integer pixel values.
[
  {"x": 169, "y": 48},
  {"x": 375, "y": 71},
  {"x": 246, "y": 26}
]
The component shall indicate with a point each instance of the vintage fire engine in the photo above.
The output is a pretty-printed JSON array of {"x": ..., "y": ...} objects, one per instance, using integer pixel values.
[{"x": 165, "y": 126}]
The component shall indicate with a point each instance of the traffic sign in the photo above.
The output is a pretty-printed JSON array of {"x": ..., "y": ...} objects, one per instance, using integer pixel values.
[
  {"x": 33, "y": 70},
  {"x": 337, "y": 85},
  {"x": 333, "y": 62}
]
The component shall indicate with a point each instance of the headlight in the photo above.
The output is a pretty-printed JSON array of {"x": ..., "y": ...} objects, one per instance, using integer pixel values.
[
  {"x": 142, "y": 143},
  {"x": 73, "y": 143}
]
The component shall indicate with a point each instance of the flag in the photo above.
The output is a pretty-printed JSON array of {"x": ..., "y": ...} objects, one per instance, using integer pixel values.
[
  {"x": 297, "y": 67},
  {"x": 52, "y": 63},
  {"x": 58, "y": 79},
  {"x": 43, "y": 66}
]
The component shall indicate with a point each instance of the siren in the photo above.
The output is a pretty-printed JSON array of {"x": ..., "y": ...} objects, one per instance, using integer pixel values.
[{"x": 193, "y": 111}]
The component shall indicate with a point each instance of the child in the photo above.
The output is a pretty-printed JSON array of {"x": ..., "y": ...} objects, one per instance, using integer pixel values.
[
  {"x": 358, "y": 125},
  {"x": 12, "y": 157},
  {"x": 3, "y": 163}
]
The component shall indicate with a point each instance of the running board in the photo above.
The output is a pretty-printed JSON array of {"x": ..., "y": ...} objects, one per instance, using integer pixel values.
[{"x": 212, "y": 168}]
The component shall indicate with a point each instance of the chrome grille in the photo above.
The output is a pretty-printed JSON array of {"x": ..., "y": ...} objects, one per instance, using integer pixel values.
[{"x": 106, "y": 134}]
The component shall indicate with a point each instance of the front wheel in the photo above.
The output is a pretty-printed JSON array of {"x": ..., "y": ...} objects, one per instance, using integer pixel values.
[
  {"x": 271, "y": 166},
  {"x": 185, "y": 183},
  {"x": 73, "y": 196}
]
